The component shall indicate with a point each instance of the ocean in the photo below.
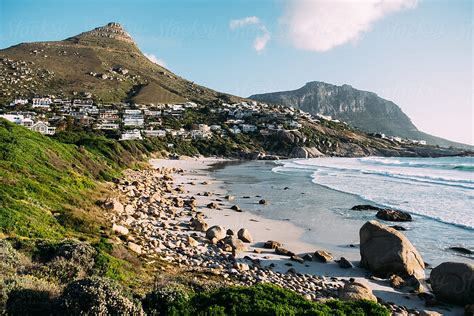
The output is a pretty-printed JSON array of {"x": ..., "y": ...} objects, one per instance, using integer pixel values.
[{"x": 317, "y": 194}]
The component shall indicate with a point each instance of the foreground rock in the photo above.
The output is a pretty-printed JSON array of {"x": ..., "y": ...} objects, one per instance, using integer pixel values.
[
  {"x": 385, "y": 251},
  {"x": 216, "y": 231},
  {"x": 394, "y": 216},
  {"x": 322, "y": 256},
  {"x": 356, "y": 291},
  {"x": 244, "y": 235},
  {"x": 453, "y": 282}
]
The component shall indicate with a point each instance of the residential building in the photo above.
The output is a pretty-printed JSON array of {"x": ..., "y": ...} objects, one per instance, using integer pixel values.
[{"x": 43, "y": 128}]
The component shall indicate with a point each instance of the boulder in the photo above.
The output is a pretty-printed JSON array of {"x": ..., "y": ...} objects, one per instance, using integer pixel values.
[
  {"x": 121, "y": 230},
  {"x": 135, "y": 248},
  {"x": 230, "y": 197},
  {"x": 394, "y": 216},
  {"x": 198, "y": 224},
  {"x": 244, "y": 235},
  {"x": 366, "y": 208},
  {"x": 322, "y": 256},
  {"x": 345, "y": 264},
  {"x": 453, "y": 282},
  {"x": 263, "y": 202},
  {"x": 230, "y": 232},
  {"x": 114, "y": 205},
  {"x": 297, "y": 259},
  {"x": 385, "y": 251},
  {"x": 284, "y": 252},
  {"x": 356, "y": 291},
  {"x": 235, "y": 243},
  {"x": 236, "y": 208},
  {"x": 213, "y": 205},
  {"x": 216, "y": 231},
  {"x": 241, "y": 266},
  {"x": 271, "y": 244}
]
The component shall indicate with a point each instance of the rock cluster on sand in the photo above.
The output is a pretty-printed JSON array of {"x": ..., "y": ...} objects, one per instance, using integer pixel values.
[
  {"x": 157, "y": 219},
  {"x": 385, "y": 251}
]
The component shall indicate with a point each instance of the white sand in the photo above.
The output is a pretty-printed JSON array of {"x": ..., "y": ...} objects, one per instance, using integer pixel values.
[{"x": 263, "y": 229}]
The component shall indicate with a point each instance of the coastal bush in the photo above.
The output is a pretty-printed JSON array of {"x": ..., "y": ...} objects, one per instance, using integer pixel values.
[
  {"x": 96, "y": 296},
  {"x": 28, "y": 295},
  {"x": 261, "y": 299},
  {"x": 167, "y": 300}
]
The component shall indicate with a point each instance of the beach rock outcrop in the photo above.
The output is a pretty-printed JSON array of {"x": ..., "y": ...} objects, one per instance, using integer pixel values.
[
  {"x": 393, "y": 216},
  {"x": 236, "y": 208},
  {"x": 216, "y": 231},
  {"x": 366, "y": 207},
  {"x": 356, "y": 291},
  {"x": 453, "y": 282},
  {"x": 385, "y": 251},
  {"x": 322, "y": 256},
  {"x": 234, "y": 243},
  {"x": 244, "y": 235},
  {"x": 284, "y": 252},
  {"x": 271, "y": 244}
]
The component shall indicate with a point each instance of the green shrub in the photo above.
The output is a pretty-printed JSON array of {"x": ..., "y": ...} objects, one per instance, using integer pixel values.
[
  {"x": 28, "y": 295},
  {"x": 96, "y": 296},
  {"x": 167, "y": 300},
  {"x": 262, "y": 299}
]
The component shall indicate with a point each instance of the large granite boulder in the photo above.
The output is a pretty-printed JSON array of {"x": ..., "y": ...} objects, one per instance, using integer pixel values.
[
  {"x": 453, "y": 282},
  {"x": 385, "y": 251}
]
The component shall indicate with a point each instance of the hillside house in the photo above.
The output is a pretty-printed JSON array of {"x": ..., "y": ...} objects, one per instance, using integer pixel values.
[
  {"x": 41, "y": 102},
  {"x": 131, "y": 135},
  {"x": 43, "y": 128}
]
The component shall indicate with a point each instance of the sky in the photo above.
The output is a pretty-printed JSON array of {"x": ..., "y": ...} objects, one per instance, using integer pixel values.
[{"x": 416, "y": 53}]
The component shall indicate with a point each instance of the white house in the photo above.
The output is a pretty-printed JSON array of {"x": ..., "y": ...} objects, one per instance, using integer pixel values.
[
  {"x": 43, "y": 128},
  {"x": 19, "y": 102},
  {"x": 130, "y": 135},
  {"x": 41, "y": 102},
  {"x": 17, "y": 119},
  {"x": 107, "y": 126},
  {"x": 155, "y": 133}
]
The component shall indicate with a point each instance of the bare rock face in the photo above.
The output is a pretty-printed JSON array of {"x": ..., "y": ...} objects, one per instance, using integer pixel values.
[
  {"x": 453, "y": 282},
  {"x": 244, "y": 235},
  {"x": 356, "y": 291},
  {"x": 216, "y": 231},
  {"x": 385, "y": 251},
  {"x": 114, "y": 205}
]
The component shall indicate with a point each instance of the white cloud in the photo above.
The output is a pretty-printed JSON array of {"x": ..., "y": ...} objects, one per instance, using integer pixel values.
[
  {"x": 250, "y": 20},
  {"x": 320, "y": 25},
  {"x": 261, "y": 40},
  {"x": 155, "y": 59}
]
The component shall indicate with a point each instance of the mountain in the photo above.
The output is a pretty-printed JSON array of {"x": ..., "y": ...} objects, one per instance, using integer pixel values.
[
  {"x": 361, "y": 109},
  {"x": 104, "y": 62}
]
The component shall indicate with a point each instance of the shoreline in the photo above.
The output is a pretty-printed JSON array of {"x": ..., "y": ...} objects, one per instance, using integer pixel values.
[{"x": 196, "y": 180}]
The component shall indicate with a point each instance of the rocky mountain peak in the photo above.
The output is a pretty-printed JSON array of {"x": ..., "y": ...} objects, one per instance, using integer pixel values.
[{"x": 112, "y": 30}]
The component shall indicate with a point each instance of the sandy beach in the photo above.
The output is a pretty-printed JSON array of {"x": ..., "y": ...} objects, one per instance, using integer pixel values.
[{"x": 196, "y": 180}]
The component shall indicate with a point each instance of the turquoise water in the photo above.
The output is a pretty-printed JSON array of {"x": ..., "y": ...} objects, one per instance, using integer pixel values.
[{"x": 317, "y": 195}]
